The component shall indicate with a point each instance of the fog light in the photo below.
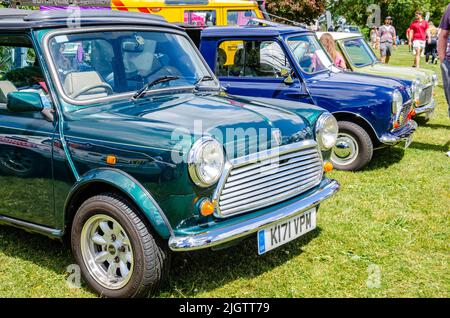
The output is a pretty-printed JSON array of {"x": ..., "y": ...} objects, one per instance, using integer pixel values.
[
  {"x": 207, "y": 207},
  {"x": 328, "y": 166}
]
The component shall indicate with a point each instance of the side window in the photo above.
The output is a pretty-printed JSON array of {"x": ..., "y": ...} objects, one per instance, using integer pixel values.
[
  {"x": 240, "y": 17},
  {"x": 250, "y": 59},
  {"x": 19, "y": 68},
  {"x": 201, "y": 18}
]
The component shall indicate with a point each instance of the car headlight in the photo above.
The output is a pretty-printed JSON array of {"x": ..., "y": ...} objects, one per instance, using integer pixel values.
[
  {"x": 397, "y": 102},
  {"x": 206, "y": 161},
  {"x": 416, "y": 90},
  {"x": 434, "y": 80},
  {"x": 326, "y": 131}
]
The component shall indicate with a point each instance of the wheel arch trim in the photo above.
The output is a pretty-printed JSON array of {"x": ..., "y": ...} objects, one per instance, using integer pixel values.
[
  {"x": 352, "y": 114},
  {"x": 128, "y": 186}
]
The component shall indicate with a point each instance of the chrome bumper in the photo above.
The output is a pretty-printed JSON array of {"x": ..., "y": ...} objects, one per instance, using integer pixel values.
[
  {"x": 238, "y": 230},
  {"x": 402, "y": 134},
  {"x": 428, "y": 108}
]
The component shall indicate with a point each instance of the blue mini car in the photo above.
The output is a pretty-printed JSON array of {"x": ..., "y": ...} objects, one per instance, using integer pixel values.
[{"x": 288, "y": 63}]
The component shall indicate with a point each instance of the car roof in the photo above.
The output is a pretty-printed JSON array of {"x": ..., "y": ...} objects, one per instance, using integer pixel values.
[
  {"x": 14, "y": 19},
  {"x": 280, "y": 29},
  {"x": 340, "y": 35}
]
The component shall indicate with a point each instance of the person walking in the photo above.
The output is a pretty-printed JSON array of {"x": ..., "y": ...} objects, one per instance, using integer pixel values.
[
  {"x": 408, "y": 39},
  {"x": 431, "y": 45},
  {"x": 418, "y": 35},
  {"x": 444, "y": 53},
  {"x": 373, "y": 37},
  {"x": 388, "y": 40}
]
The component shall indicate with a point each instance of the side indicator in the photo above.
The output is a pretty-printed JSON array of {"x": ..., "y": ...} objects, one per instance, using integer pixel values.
[
  {"x": 207, "y": 207},
  {"x": 111, "y": 160},
  {"x": 328, "y": 166}
]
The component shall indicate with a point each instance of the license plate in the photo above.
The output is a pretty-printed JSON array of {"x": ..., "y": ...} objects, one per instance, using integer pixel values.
[{"x": 286, "y": 231}]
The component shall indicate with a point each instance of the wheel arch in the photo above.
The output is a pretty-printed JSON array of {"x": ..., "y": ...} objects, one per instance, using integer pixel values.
[
  {"x": 113, "y": 180},
  {"x": 361, "y": 121}
]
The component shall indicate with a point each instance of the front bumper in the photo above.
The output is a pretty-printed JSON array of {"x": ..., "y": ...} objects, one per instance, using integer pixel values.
[
  {"x": 427, "y": 109},
  {"x": 214, "y": 237},
  {"x": 399, "y": 135}
]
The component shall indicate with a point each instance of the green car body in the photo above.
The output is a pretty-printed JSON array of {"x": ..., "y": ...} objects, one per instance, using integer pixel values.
[
  {"x": 78, "y": 140},
  {"x": 360, "y": 58}
]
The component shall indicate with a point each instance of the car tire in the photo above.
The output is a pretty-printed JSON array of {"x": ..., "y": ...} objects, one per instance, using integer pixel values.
[
  {"x": 354, "y": 147},
  {"x": 118, "y": 254}
]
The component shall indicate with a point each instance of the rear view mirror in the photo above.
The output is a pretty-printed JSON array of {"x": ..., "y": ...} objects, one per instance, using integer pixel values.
[{"x": 24, "y": 102}]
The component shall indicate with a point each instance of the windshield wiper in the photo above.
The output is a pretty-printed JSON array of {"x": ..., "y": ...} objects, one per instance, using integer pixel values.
[
  {"x": 205, "y": 78},
  {"x": 149, "y": 85}
]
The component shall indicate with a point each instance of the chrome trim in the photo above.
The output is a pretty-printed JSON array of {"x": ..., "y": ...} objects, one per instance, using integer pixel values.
[
  {"x": 214, "y": 237},
  {"x": 393, "y": 138},
  {"x": 231, "y": 166},
  {"x": 85, "y": 102},
  {"x": 319, "y": 129},
  {"x": 28, "y": 226},
  {"x": 428, "y": 108},
  {"x": 193, "y": 157}
]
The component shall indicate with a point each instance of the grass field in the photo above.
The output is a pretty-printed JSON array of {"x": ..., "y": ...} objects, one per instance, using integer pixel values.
[{"x": 385, "y": 234}]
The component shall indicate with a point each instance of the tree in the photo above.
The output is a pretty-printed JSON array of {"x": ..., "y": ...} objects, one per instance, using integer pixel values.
[
  {"x": 297, "y": 10},
  {"x": 402, "y": 11}
]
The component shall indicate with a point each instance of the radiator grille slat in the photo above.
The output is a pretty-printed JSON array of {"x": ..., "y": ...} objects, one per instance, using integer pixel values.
[{"x": 269, "y": 179}]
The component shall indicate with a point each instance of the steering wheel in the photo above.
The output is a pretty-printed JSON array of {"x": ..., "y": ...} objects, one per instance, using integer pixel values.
[{"x": 88, "y": 88}]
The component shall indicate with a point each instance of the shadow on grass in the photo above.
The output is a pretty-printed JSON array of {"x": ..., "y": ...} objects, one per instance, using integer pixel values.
[
  {"x": 423, "y": 123},
  {"x": 207, "y": 270},
  {"x": 190, "y": 272},
  {"x": 385, "y": 157},
  {"x": 35, "y": 248},
  {"x": 423, "y": 146}
]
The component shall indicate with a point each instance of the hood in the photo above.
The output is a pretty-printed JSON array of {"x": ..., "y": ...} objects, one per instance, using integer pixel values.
[
  {"x": 350, "y": 89},
  {"x": 402, "y": 72},
  {"x": 160, "y": 121}
]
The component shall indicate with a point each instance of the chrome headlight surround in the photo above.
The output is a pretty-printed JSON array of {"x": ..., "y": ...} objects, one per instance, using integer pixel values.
[
  {"x": 397, "y": 102},
  {"x": 206, "y": 161},
  {"x": 416, "y": 90},
  {"x": 327, "y": 130},
  {"x": 434, "y": 80}
]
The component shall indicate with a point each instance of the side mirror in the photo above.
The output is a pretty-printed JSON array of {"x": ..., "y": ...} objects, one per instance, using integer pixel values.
[
  {"x": 24, "y": 102},
  {"x": 287, "y": 74}
]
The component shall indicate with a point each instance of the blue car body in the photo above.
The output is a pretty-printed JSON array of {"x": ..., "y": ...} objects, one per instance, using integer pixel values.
[{"x": 364, "y": 99}]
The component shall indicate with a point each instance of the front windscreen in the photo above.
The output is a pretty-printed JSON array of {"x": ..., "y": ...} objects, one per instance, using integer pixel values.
[
  {"x": 92, "y": 65},
  {"x": 308, "y": 53},
  {"x": 359, "y": 52}
]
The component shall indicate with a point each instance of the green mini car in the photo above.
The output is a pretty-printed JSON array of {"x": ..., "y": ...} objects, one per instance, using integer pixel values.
[
  {"x": 115, "y": 134},
  {"x": 360, "y": 58}
]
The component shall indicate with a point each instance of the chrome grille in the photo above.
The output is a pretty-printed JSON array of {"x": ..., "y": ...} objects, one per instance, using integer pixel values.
[
  {"x": 403, "y": 117},
  {"x": 268, "y": 177},
  {"x": 426, "y": 95}
]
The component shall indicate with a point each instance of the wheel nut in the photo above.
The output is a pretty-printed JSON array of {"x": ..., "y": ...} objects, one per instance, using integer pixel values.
[
  {"x": 113, "y": 237},
  {"x": 116, "y": 259}
]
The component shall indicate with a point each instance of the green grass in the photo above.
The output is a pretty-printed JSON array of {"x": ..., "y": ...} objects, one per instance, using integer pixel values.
[{"x": 394, "y": 214}]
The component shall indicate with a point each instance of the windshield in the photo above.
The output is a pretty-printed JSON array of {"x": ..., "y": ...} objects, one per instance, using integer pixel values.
[
  {"x": 359, "y": 52},
  {"x": 308, "y": 53},
  {"x": 93, "y": 65}
]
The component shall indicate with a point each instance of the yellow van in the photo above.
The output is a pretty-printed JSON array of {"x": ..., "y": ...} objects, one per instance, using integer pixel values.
[
  {"x": 195, "y": 12},
  {"x": 199, "y": 13}
]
